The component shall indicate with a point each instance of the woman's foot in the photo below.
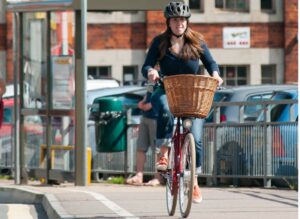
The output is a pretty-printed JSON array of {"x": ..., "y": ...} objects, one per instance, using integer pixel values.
[
  {"x": 197, "y": 196},
  {"x": 135, "y": 180},
  {"x": 162, "y": 164},
  {"x": 152, "y": 182}
]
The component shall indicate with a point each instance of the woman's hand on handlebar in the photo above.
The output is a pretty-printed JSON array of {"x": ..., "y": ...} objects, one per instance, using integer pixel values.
[
  {"x": 153, "y": 75},
  {"x": 217, "y": 76}
]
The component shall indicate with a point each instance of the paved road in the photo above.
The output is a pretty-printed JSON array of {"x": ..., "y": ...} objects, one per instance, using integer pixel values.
[
  {"x": 218, "y": 202},
  {"x": 22, "y": 211},
  {"x": 123, "y": 201}
]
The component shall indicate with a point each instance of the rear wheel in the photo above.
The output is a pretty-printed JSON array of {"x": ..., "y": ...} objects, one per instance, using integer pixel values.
[
  {"x": 171, "y": 184},
  {"x": 187, "y": 177}
]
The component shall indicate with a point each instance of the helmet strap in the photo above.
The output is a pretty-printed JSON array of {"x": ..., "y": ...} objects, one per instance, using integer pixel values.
[{"x": 177, "y": 36}]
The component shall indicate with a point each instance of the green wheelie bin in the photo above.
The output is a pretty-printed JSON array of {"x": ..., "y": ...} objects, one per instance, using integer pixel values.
[{"x": 110, "y": 125}]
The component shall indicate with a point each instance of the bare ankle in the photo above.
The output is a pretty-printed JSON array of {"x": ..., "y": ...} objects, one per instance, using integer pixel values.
[{"x": 139, "y": 175}]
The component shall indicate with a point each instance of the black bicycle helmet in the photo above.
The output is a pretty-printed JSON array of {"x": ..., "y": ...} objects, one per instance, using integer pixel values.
[{"x": 177, "y": 9}]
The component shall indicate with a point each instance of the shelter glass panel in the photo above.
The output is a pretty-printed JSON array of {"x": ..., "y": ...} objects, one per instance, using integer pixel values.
[
  {"x": 63, "y": 142},
  {"x": 34, "y": 139},
  {"x": 34, "y": 60},
  {"x": 62, "y": 59}
]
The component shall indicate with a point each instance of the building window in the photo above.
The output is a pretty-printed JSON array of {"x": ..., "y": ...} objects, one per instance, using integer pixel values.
[
  {"x": 267, "y": 6},
  {"x": 233, "y": 5},
  {"x": 234, "y": 75},
  {"x": 196, "y": 5},
  {"x": 130, "y": 75},
  {"x": 268, "y": 74},
  {"x": 97, "y": 72}
]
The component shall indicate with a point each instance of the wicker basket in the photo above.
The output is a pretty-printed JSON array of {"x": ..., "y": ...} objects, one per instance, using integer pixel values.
[{"x": 190, "y": 95}]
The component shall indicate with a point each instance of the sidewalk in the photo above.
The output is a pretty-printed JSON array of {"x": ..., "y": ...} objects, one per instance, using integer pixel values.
[{"x": 123, "y": 201}]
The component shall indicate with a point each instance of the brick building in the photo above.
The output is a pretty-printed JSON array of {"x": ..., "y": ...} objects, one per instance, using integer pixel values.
[{"x": 253, "y": 41}]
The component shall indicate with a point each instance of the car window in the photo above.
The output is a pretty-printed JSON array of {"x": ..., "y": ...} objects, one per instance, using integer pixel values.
[
  {"x": 277, "y": 110},
  {"x": 254, "y": 111}
]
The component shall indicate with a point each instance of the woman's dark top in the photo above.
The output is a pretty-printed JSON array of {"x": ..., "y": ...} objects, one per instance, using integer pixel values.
[{"x": 170, "y": 64}]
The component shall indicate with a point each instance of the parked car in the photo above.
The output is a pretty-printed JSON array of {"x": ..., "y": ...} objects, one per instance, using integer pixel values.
[
  {"x": 248, "y": 93},
  {"x": 240, "y": 148},
  {"x": 95, "y": 84},
  {"x": 281, "y": 112},
  {"x": 284, "y": 134}
]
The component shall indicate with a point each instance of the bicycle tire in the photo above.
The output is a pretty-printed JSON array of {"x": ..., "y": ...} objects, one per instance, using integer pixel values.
[
  {"x": 171, "y": 187},
  {"x": 187, "y": 177}
]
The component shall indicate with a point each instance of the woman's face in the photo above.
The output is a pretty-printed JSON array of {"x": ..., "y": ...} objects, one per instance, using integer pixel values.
[{"x": 178, "y": 25}]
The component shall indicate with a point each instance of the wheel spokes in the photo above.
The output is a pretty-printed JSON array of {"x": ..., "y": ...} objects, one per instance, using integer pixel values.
[{"x": 187, "y": 175}]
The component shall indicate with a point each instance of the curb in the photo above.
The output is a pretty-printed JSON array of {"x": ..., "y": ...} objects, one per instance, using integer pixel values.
[
  {"x": 50, "y": 204},
  {"x": 20, "y": 195},
  {"x": 53, "y": 208}
]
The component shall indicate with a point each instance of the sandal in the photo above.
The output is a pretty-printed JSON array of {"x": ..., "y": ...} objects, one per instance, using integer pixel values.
[
  {"x": 135, "y": 180},
  {"x": 162, "y": 164},
  {"x": 197, "y": 196},
  {"x": 152, "y": 182}
]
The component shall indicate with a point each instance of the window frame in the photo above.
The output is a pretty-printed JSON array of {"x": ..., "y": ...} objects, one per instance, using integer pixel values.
[
  {"x": 135, "y": 74},
  {"x": 235, "y": 9},
  {"x": 236, "y": 77},
  {"x": 273, "y": 81},
  {"x": 98, "y": 71},
  {"x": 200, "y": 9},
  {"x": 270, "y": 11}
]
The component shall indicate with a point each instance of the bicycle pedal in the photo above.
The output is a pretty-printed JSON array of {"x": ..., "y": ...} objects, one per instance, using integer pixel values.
[
  {"x": 164, "y": 175},
  {"x": 162, "y": 171}
]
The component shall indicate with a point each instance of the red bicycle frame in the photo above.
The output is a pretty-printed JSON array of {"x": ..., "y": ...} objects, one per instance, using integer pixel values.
[{"x": 178, "y": 139}]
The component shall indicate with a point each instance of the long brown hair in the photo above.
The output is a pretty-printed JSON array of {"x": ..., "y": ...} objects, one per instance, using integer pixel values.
[{"x": 191, "y": 48}]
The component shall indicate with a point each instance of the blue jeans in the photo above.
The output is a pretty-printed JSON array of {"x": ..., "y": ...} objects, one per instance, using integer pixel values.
[{"x": 165, "y": 124}]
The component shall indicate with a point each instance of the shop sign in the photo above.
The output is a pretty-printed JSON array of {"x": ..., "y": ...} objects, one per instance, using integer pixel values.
[{"x": 236, "y": 37}]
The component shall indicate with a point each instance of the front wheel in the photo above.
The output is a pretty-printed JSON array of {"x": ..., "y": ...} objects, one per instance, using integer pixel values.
[
  {"x": 171, "y": 184},
  {"x": 187, "y": 176}
]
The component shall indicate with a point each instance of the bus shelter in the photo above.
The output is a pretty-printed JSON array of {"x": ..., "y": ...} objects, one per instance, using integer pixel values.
[{"x": 50, "y": 72}]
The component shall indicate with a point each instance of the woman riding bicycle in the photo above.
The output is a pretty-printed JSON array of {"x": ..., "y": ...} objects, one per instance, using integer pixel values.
[{"x": 178, "y": 51}]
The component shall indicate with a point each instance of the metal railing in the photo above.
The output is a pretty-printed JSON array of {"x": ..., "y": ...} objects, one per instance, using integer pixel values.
[
  {"x": 232, "y": 151},
  {"x": 262, "y": 150}
]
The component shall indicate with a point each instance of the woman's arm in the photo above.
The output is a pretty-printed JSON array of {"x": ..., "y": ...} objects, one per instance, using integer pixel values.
[
  {"x": 151, "y": 59},
  {"x": 210, "y": 64},
  {"x": 218, "y": 77},
  {"x": 208, "y": 61}
]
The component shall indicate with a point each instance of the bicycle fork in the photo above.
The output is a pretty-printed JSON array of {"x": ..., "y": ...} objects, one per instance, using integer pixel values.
[{"x": 177, "y": 139}]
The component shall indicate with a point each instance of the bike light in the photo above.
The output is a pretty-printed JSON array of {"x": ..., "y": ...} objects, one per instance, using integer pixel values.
[{"x": 187, "y": 123}]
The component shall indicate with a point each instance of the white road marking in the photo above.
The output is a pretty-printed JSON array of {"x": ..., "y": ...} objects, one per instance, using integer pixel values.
[
  {"x": 17, "y": 211},
  {"x": 110, "y": 204}
]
